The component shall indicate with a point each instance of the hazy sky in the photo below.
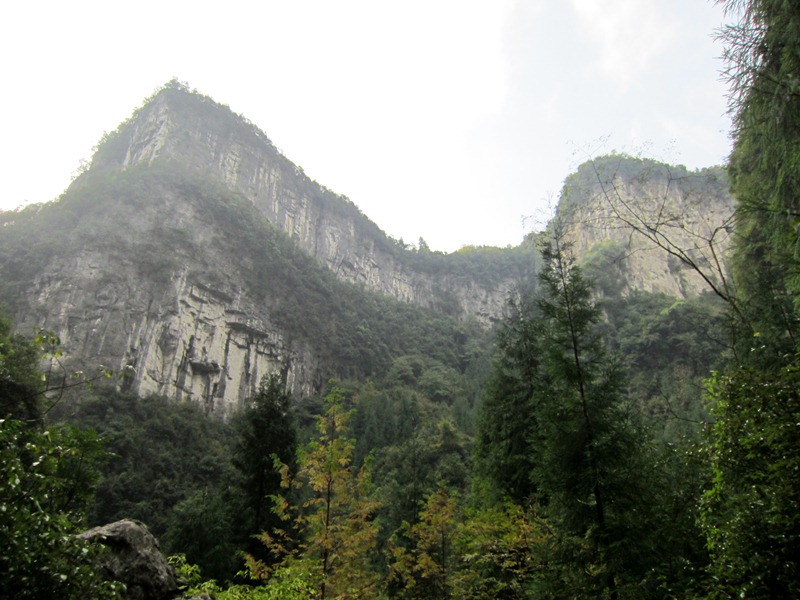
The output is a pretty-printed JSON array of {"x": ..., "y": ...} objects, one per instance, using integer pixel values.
[{"x": 450, "y": 120}]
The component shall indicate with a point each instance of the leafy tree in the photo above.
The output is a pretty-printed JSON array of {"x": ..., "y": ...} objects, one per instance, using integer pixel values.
[
  {"x": 169, "y": 467},
  {"x": 426, "y": 569},
  {"x": 26, "y": 392},
  {"x": 435, "y": 457},
  {"x": 752, "y": 512},
  {"x": 20, "y": 380},
  {"x": 669, "y": 347},
  {"x": 42, "y": 507},
  {"x": 201, "y": 529},
  {"x": 46, "y": 480},
  {"x": 502, "y": 550}
]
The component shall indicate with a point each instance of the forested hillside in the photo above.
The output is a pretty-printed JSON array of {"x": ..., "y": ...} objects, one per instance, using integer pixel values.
[{"x": 594, "y": 439}]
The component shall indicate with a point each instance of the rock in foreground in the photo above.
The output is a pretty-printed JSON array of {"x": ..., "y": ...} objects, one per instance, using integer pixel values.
[{"x": 135, "y": 560}]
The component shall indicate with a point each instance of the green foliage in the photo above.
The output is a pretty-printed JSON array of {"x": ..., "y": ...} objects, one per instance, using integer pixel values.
[
  {"x": 592, "y": 454},
  {"x": 266, "y": 433},
  {"x": 426, "y": 569},
  {"x": 751, "y": 514},
  {"x": 170, "y": 468},
  {"x": 762, "y": 53},
  {"x": 557, "y": 425},
  {"x": 336, "y": 521},
  {"x": 20, "y": 380},
  {"x": 45, "y": 478},
  {"x": 485, "y": 265},
  {"x": 603, "y": 265},
  {"x": 202, "y": 526},
  {"x": 486, "y": 553},
  {"x": 669, "y": 347},
  {"x": 435, "y": 457},
  {"x": 502, "y": 551},
  {"x": 505, "y": 448},
  {"x": 385, "y": 416}
]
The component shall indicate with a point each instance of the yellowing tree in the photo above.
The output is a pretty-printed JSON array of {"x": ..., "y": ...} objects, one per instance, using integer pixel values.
[
  {"x": 425, "y": 569},
  {"x": 336, "y": 531}
]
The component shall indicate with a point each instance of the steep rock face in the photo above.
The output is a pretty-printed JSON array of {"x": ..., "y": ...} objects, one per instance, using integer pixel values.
[
  {"x": 154, "y": 276},
  {"x": 192, "y": 130},
  {"x": 633, "y": 210},
  {"x": 155, "y": 291},
  {"x": 174, "y": 261},
  {"x": 180, "y": 338}
]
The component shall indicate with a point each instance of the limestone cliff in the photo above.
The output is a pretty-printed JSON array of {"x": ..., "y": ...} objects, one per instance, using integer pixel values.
[
  {"x": 650, "y": 220},
  {"x": 189, "y": 129},
  {"x": 167, "y": 317},
  {"x": 194, "y": 258}
]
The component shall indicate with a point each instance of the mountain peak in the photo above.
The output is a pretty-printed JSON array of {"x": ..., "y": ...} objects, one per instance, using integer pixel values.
[{"x": 182, "y": 125}]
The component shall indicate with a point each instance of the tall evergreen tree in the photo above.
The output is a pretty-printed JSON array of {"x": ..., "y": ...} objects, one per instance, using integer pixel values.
[
  {"x": 556, "y": 426},
  {"x": 266, "y": 433},
  {"x": 590, "y": 467},
  {"x": 504, "y": 455}
]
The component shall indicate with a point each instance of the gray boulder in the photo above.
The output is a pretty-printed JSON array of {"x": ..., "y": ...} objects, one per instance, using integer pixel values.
[{"x": 134, "y": 559}]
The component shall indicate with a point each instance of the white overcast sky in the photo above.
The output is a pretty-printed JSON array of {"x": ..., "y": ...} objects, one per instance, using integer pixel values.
[{"x": 450, "y": 120}]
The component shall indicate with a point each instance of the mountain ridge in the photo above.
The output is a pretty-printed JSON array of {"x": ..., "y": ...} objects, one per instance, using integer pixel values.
[
  {"x": 192, "y": 256},
  {"x": 204, "y": 136}
]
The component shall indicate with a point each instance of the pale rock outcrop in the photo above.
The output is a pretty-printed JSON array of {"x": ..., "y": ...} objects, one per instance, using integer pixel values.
[
  {"x": 182, "y": 340},
  {"x": 606, "y": 201}
]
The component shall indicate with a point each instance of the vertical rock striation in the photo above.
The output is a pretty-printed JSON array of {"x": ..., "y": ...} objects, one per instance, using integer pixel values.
[
  {"x": 654, "y": 219},
  {"x": 202, "y": 136}
]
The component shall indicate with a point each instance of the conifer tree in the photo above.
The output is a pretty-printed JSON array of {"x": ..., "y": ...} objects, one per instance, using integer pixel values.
[
  {"x": 266, "y": 432},
  {"x": 557, "y": 428},
  {"x": 504, "y": 455},
  {"x": 589, "y": 466}
]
